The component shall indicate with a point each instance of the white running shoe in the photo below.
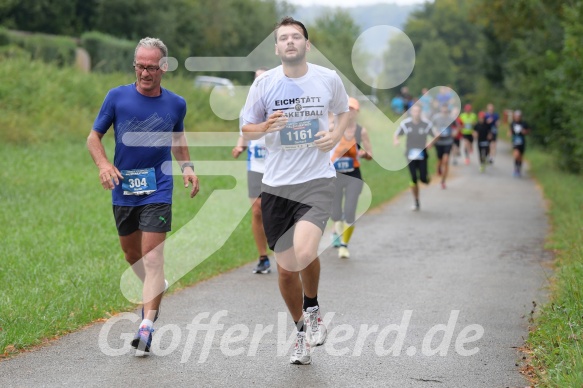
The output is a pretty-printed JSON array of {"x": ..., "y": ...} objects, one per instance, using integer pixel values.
[
  {"x": 343, "y": 253},
  {"x": 315, "y": 329},
  {"x": 302, "y": 351}
]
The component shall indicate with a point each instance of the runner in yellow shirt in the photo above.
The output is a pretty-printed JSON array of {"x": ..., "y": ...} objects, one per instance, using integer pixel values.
[{"x": 469, "y": 120}]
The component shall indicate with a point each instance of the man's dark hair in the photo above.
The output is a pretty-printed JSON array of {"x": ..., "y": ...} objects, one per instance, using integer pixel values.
[{"x": 289, "y": 21}]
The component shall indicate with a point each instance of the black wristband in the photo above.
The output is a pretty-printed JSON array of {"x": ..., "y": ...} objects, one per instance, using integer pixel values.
[{"x": 187, "y": 164}]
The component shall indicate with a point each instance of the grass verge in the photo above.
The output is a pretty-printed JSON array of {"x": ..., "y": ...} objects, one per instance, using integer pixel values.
[{"x": 556, "y": 342}]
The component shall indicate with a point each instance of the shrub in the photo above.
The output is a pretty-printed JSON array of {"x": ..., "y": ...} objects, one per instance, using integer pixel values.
[{"x": 108, "y": 54}]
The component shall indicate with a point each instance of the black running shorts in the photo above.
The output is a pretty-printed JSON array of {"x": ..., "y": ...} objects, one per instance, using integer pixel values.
[
  {"x": 442, "y": 150},
  {"x": 282, "y": 207},
  {"x": 418, "y": 171},
  {"x": 155, "y": 217},
  {"x": 521, "y": 148}
]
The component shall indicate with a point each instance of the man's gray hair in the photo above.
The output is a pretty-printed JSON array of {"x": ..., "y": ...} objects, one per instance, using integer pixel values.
[{"x": 152, "y": 43}]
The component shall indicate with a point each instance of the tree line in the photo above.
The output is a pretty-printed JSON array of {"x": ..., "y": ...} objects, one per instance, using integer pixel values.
[{"x": 229, "y": 28}]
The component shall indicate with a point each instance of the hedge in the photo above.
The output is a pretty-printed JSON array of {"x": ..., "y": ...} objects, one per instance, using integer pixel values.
[
  {"x": 108, "y": 54},
  {"x": 48, "y": 48}
]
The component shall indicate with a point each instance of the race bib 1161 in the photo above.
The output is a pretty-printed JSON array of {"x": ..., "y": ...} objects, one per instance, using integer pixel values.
[{"x": 299, "y": 134}]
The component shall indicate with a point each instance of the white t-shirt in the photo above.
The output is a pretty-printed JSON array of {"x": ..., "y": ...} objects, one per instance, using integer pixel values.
[
  {"x": 291, "y": 156},
  {"x": 256, "y": 153}
]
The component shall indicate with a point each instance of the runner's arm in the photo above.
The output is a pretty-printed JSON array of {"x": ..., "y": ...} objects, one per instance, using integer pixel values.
[
  {"x": 275, "y": 122},
  {"x": 109, "y": 175},
  {"x": 434, "y": 134},
  {"x": 239, "y": 148},
  {"x": 399, "y": 132},
  {"x": 365, "y": 153},
  {"x": 182, "y": 156},
  {"x": 326, "y": 140}
]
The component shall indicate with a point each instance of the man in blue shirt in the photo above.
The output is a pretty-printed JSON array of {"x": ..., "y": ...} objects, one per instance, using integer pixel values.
[
  {"x": 398, "y": 105},
  {"x": 148, "y": 123}
]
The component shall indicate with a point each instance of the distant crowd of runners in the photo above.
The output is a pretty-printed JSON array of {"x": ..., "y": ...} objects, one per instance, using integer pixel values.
[{"x": 434, "y": 121}]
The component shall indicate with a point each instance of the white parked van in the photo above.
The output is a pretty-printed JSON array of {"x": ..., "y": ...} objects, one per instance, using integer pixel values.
[{"x": 209, "y": 82}]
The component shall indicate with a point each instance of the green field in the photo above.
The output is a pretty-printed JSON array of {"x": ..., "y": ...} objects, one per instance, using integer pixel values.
[{"x": 61, "y": 262}]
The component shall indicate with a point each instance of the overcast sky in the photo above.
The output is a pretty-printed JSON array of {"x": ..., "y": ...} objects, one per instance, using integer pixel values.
[{"x": 352, "y": 3}]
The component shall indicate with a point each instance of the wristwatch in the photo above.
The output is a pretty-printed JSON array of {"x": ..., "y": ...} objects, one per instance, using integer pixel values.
[{"x": 187, "y": 164}]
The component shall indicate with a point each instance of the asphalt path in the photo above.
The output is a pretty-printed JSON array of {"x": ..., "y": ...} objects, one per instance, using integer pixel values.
[{"x": 436, "y": 298}]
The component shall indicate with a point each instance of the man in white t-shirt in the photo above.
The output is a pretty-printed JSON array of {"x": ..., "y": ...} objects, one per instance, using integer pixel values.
[
  {"x": 255, "y": 168},
  {"x": 289, "y": 106}
]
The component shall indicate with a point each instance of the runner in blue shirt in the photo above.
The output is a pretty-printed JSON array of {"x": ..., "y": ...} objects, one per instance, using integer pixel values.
[
  {"x": 492, "y": 119},
  {"x": 148, "y": 124}
]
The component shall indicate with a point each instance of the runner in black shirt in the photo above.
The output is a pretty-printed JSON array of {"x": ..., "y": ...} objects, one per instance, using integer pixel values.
[
  {"x": 518, "y": 130},
  {"x": 416, "y": 129},
  {"x": 483, "y": 134}
]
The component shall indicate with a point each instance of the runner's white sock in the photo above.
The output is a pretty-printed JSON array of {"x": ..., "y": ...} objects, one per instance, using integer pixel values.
[
  {"x": 339, "y": 227},
  {"x": 147, "y": 323}
]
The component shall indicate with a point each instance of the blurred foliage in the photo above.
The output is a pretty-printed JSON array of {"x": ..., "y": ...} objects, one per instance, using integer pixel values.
[
  {"x": 59, "y": 50},
  {"x": 187, "y": 27},
  {"x": 334, "y": 36},
  {"x": 108, "y": 54}
]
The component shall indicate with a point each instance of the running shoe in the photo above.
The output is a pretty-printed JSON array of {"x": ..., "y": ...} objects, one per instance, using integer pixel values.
[
  {"x": 343, "y": 253},
  {"x": 416, "y": 207},
  {"x": 491, "y": 160},
  {"x": 467, "y": 161},
  {"x": 516, "y": 174},
  {"x": 302, "y": 351},
  {"x": 443, "y": 187},
  {"x": 143, "y": 339},
  {"x": 315, "y": 330},
  {"x": 262, "y": 266},
  {"x": 157, "y": 312}
]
